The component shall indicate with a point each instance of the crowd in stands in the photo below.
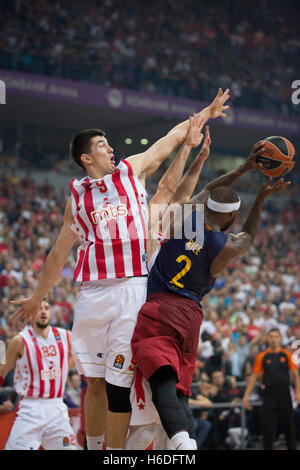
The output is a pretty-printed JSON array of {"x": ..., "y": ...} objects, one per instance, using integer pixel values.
[
  {"x": 187, "y": 48},
  {"x": 259, "y": 291}
]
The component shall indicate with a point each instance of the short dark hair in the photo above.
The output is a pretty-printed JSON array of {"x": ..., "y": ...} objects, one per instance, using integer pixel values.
[
  {"x": 81, "y": 144},
  {"x": 274, "y": 330},
  {"x": 224, "y": 194}
]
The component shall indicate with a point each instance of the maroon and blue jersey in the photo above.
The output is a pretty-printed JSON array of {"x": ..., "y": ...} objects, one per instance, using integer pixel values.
[{"x": 183, "y": 264}]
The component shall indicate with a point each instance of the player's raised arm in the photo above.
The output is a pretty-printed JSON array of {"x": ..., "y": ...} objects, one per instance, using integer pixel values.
[
  {"x": 230, "y": 178},
  {"x": 238, "y": 244},
  {"x": 168, "y": 183},
  {"x": 188, "y": 183},
  {"x": 164, "y": 224},
  {"x": 146, "y": 163},
  {"x": 52, "y": 268}
]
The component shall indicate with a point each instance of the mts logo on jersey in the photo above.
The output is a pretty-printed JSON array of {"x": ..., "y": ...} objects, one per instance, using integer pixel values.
[
  {"x": 109, "y": 212},
  {"x": 50, "y": 374}
]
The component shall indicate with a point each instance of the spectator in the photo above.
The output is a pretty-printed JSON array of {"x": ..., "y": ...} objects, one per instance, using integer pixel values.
[
  {"x": 219, "y": 417},
  {"x": 59, "y": 321},
  {"x": 217, "y": 361},
  {"x": 72, "y": 396},
  {"x": 122, "y": 48},
  {"x": 249, "y": 360},
  {"x": 202, "y": 424}
]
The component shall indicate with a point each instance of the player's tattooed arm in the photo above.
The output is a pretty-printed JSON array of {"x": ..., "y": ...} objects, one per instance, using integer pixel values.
[
  {"x": 236, "y": 245},
  {"x": 230, "y": 178},
  {"x": 266, "y": 190},
  {"x": 146, "y": 163}
]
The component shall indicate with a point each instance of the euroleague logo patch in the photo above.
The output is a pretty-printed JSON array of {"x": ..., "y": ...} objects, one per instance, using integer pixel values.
[
  {"x": 66, "y": 442},
  {"x": 119, "y": 361}
]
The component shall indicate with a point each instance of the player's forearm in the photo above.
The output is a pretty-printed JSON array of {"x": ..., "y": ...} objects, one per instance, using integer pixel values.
[
  {"x": 180, "y": 130},
  {"x": 188, "y": 183},
  {"x": 160, "y": 151},
  {"x": 172, "y": 176},
  {"x": 251, "y": 224},
  {"x": 228, "y": 179},
  {"x": 52, "y": 268}
]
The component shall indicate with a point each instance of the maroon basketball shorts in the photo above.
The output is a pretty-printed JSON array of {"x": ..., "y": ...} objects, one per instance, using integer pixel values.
[{"x": 167, "y": 334}]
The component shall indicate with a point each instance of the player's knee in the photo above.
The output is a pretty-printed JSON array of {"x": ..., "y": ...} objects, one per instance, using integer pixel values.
[
  {"x": 118, "y": 398},
  {"x": 163, "y": 385},
  {"x": 96, "y": 386}
]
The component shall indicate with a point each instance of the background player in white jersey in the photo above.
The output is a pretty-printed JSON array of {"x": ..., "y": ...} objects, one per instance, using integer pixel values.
[
  {"x": 145, "y": 426},
  {"x": 41, "y": 356},
  {"x": 108, "y": 212}
]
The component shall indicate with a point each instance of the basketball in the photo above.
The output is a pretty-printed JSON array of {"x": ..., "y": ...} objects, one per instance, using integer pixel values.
[{"x": 277, "y": 158}]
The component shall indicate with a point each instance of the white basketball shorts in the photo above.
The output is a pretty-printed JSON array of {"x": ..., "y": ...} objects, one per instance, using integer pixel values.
[
  {"x": 41, "y": 422},
  {"x": 105, "y": 316}
]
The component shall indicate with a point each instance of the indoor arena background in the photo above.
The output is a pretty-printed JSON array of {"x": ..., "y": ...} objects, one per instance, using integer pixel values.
[{"x": 136, "y": 73}]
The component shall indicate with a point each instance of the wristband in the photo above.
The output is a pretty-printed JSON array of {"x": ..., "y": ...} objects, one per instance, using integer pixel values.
[{"x": 1, "y": 381}]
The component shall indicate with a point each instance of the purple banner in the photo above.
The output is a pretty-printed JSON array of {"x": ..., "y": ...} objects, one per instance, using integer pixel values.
[{"x": 121, "y": 99}]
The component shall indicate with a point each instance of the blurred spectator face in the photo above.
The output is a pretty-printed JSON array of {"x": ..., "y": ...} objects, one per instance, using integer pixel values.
[
  {"x": 59, "y": 315},
  {"x": 297, "y": 332},
  {"x": 213, "y": 316},
  {"x": 254, "y": 350},
  {"x": 205, "y": 388},
  {"x": 242, "y": 340},
  {"x": 239, "y": 323},
  {"x": 218, "y": 378},
  {"x": 76, "y": 381}
]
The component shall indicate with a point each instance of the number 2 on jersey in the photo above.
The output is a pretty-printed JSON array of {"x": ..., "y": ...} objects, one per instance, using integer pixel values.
[{"x": 183, "y": 272}]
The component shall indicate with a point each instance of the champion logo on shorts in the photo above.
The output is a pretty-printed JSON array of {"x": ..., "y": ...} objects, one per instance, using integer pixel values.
[
  {"x": 66, "y": 441},
  {"x": 119, "y": 361}
]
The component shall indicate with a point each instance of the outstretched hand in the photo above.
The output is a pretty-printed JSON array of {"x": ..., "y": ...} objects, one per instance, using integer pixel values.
[
  {"x": 268, "y": 190},
  {"x": 217, "y": 108},
  {"x": 251, "y": 163},
  {"x": 27, "y": 312},
  {"x": 205, "y": 150},
  {"x": 194, "y": 136}
]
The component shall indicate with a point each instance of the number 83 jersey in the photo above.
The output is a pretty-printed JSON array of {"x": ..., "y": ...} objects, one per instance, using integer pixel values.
[{"x": 183, "y": 262}]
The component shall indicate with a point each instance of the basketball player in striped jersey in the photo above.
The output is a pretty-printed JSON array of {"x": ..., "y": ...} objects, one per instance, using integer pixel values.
[
  {"x": 41, "y": 355},
  {"x": 108, "y": 212}
]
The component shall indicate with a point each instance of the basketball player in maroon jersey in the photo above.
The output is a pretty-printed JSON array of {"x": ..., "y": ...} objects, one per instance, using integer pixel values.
[
  {"x": 41, "y": 355},
  {"x": 145, "y": 431},
  {"x": 108, "y": 212}
]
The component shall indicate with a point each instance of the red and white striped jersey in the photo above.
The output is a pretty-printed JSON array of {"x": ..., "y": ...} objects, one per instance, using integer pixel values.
[
  {"x": 42, "y": 371},
  {"x": 111, "y": 218}
]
